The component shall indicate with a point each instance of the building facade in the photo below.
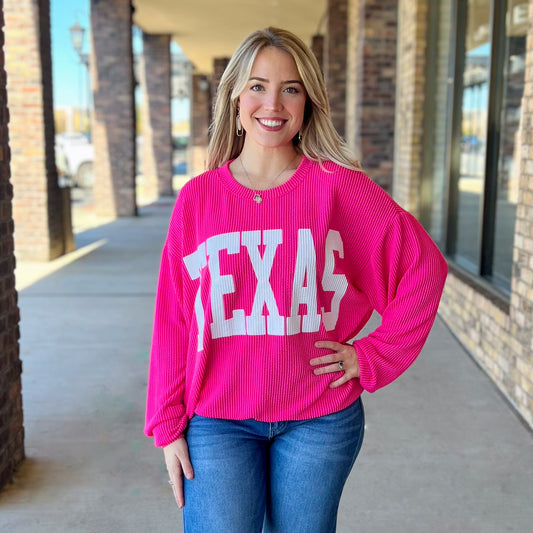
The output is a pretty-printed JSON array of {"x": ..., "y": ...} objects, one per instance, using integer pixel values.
[{"x": 464, "y": 165}]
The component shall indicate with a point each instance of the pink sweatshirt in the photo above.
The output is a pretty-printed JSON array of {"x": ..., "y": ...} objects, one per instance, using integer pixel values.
[{"x": 247, "y": 288}]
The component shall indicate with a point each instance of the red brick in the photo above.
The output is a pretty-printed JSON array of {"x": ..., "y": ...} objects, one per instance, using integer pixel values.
[
  {"x": 113, "y": 121},
  {"x": 11, "y": 428},
  {"x": 44, "y": 235},
  {"x": 156, "y": 116}
]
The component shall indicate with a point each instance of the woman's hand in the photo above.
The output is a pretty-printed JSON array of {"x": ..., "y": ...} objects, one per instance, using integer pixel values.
[
  {"x": 178, "y": 465},
  {"x": 342, "y": 359}
]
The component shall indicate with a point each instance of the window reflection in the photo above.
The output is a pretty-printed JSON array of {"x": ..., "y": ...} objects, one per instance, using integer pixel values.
[
  {"x": 510, "y": 137},
  {"x": 460, "y": 165},
  {"x": 473, "y": 132}
]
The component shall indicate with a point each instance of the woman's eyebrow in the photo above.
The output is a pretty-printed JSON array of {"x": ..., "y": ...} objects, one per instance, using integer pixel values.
[{"x": 257, "y": 78}]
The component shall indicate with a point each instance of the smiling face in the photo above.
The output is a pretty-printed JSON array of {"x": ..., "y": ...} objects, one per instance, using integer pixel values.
[{"x": 273, "y": 102}]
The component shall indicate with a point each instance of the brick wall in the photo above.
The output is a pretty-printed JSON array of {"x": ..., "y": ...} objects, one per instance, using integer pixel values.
[
  {"x": 200, "y": 119},
  {"x": 41, "y": 209},
  {"x": 522, "y": 288},
  {"x": 11, "y": 428},
  {"x": 113, "y": 119},
  {"x": 156, "y": 117},
  {"x": 317, "y": 47},
  {"x": 410, "y": 101},
  {"x": 219, "y": 66},
  {"x": 371, "y": 85},
  {"x": 497, "y": 336},
  {"x": 334, "y": 63}
]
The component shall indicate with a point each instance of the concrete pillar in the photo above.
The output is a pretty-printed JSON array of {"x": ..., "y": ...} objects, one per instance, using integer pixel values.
[
  {"x": 335, "y": 48},
  {"x": 219, "y": 66},
  {"x": 200, "y": 119},
  {"x": 113, "y": 120},
  {"x": 371, "y": 86},
  {"x": 156, "y": 117},
  {"x": 41, "y": 209},
  {"x": 11, "y": 428},
  {"x": 410, "y": 97}
]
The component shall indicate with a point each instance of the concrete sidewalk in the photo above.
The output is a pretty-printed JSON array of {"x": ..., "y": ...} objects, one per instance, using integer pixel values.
[{"x": 443, "y": 451}]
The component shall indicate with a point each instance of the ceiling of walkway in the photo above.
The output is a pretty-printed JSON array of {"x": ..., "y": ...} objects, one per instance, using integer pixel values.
[{"x": 206, "y": 29}]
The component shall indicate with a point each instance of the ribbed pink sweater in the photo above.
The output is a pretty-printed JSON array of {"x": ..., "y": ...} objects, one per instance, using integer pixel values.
[{"x": 246, "y": 289}]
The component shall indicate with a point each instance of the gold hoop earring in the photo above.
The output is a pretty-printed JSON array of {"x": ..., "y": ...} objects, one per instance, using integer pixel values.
[
  {"x": 239, "y": 129},
  {"x": 299, "y": 137}
]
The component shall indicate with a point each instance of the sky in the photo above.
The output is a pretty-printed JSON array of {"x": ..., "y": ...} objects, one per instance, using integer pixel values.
[{"x": 70, "y": 77}]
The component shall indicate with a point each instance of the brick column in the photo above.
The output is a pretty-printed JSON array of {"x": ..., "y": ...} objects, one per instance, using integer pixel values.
[
  {"x": 521, "y": 311},
  {"x": 200, "y": 119},
  {"x": 11, "y": 429},
  {"x": 317, "y": 47},
  {"x": 334, "y": 65},
  {"x": 156, "y": 117},
  {"x": 40, "y": 208},
  {"x": 411, "y": 96},
  {"x": 371, "y": 85},
  {"x": 219, "y": 66},
  {"x": 113, "y": 122}
]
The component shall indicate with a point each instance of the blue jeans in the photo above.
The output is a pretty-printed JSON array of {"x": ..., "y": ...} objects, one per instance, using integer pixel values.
[{"x": 283, "y": 477}]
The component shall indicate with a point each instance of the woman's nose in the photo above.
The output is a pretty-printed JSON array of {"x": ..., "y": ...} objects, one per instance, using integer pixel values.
[{"x": 273, "y": 101}]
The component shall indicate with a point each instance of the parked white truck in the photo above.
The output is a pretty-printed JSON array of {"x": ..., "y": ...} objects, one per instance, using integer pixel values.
[{"x": 74, "y": 159}]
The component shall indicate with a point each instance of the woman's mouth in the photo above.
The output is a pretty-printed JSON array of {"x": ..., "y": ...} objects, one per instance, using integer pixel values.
[{"x": 272, "y": 124}]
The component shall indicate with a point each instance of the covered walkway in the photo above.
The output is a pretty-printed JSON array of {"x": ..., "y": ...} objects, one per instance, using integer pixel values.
[{"x": 444, "y": 452}]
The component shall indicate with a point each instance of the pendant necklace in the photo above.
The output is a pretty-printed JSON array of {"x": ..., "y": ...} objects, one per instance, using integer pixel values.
[{"x": 257, "y": 197}]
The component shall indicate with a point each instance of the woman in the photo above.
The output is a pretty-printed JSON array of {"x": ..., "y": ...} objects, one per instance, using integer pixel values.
[{"x": 275, "y": 259}]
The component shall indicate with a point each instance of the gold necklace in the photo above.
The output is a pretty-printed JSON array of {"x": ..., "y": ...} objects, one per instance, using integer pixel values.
[{"x": 257, "y": 197}]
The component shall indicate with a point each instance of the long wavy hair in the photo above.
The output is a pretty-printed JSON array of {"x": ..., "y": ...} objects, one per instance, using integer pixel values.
[{"x": 319, "y": 140}]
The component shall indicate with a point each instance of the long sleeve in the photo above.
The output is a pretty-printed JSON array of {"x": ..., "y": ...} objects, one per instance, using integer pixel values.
[
  {"x": 403, "y": 280},
  {"x": 166, "y": 417}
]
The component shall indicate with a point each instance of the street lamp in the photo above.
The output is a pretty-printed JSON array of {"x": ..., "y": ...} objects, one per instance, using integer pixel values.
[{"x": 77, "y": 36}]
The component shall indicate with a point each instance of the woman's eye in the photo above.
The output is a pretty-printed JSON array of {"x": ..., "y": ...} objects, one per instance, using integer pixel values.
[
  {"x": 256, "y": 87},
  {"x": 292, "y": 90}
]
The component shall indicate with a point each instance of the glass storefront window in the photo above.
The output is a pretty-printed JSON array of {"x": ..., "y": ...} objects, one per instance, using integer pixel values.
[
  {"x": 475, "y": 101},
  {"x": 477, "y": 74},
  {"x": 510, "y": 132}
]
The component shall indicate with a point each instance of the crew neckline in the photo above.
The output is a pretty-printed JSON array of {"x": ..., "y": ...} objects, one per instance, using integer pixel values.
[{"x": 226, "y": 178}]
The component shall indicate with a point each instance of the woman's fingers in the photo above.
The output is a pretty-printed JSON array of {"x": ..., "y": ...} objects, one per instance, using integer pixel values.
[
  {"x": 339, "y": 353},
  {"x": 183, "y": 455},
  {"x": 331, "y": 345},
  {"x": 177, "y": 487},
  {"x": 178, "y": 465},
  {"x": 343, "y": 358},
  {"x": 327, "y": 369}
]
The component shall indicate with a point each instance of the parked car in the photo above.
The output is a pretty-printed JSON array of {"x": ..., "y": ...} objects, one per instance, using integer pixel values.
[
  {"x": 74, "y": 159},
  {"x": 470, "y": 143}
]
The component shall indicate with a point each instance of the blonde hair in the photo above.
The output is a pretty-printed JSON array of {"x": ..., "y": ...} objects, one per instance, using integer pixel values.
[{"x": 319, "y": 140}]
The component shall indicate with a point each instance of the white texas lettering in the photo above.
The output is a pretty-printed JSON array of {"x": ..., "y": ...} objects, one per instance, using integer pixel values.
[
  {"x": 194, "y": 263},
  {"x": 304, "y": 287},
  {"x": 333, "y": 282},
  {"x": 264, "y": 295},
  {"x": 221, "y": 285}
]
